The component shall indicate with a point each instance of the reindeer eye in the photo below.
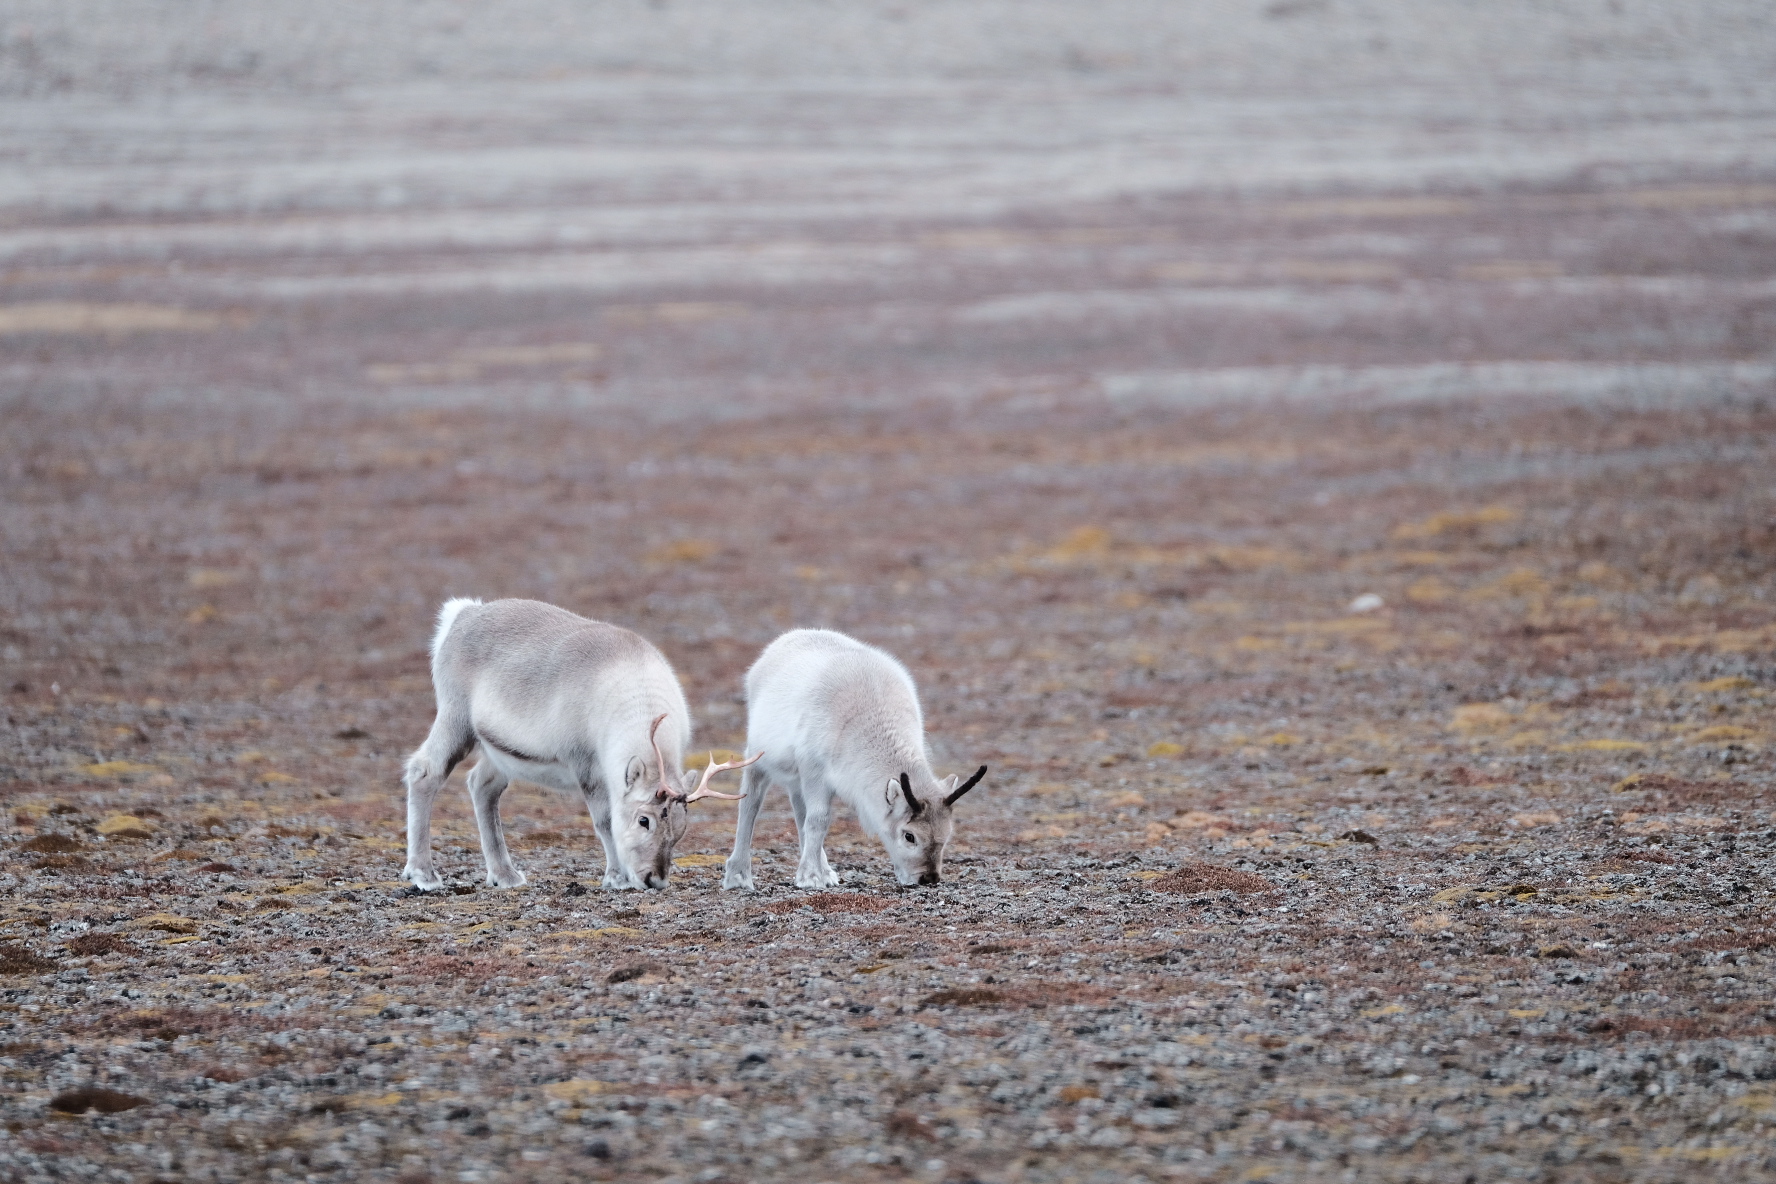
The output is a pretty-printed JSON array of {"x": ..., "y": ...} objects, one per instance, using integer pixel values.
[
  {"x": 646, "y": 822},
  {"x": 909, "y": 836}
]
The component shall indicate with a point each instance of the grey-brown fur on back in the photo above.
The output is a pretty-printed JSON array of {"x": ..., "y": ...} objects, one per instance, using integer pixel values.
[{"x": 530, "y": 653}]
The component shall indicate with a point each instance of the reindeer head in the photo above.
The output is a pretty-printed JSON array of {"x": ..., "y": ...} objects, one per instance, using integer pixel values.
[
  {"x": 918, "y": 829},
  {"x": 648, "y": 825}
]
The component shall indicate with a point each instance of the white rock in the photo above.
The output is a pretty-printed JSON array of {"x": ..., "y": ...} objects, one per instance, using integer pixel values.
[{"x": 1368, "y": 602}]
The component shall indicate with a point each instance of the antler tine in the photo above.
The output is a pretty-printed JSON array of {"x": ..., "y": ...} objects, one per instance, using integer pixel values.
[
  {"x": 710, "y": 770},
  {"x": 659, "y": 759}
]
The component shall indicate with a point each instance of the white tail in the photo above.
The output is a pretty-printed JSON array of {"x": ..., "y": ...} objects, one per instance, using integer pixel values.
[{"x": 447, "y": 618}]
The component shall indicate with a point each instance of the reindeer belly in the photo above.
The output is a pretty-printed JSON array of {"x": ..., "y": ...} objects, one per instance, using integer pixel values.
[{"x": 522, "y": 766}]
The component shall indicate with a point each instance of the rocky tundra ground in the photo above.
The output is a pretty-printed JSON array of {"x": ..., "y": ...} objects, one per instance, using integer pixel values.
[{"x": 1318, "y": 456}]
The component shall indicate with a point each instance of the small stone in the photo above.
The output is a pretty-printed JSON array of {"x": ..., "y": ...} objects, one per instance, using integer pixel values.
[
  {"x": 903, "y": 1124},
  {"x": 95, "y": 1098}
]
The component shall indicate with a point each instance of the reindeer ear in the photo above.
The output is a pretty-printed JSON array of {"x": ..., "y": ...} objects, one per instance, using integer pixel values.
[
  {"x": 890, "y": 792},
  {"x": 633, "y": 773}
]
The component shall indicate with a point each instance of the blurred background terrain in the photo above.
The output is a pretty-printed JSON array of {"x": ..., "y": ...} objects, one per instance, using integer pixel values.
[{"x": 1094, "y": 359}]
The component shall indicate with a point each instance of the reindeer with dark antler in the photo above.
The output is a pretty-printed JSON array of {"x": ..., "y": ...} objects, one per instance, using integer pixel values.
[
  {"x": 841, "y": 719},
  {"x": 565, "y": 702}
]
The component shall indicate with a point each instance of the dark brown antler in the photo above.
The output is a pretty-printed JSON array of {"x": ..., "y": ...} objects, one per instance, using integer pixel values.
[
  {"x": 966, "y": 786},
  {"x": 914, "y": 805}
]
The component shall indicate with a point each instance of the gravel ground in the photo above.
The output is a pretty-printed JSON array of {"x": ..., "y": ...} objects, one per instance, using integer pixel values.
[
  {"x": 1097, "y": 385},
  {"x": 1477, "y": 883}
]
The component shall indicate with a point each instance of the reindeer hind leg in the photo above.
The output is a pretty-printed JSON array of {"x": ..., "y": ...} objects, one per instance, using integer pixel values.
[
  {"x": 486, "y": 783},
  {"x": 427, "y": 769}
]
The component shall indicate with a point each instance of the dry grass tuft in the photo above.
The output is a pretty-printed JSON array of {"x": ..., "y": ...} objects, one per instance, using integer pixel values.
[
  {"x": 93, "y": 944},
  {"x": 16, "y": 959},
  {"x": 52, "y": 845}
]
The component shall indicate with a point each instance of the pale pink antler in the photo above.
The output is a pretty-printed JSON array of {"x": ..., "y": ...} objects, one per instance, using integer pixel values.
[
  {"x": 710, "y": 770},
  {"x": 665, "y": 791}
]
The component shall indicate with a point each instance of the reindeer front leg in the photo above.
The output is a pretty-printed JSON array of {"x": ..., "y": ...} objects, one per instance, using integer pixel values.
[
  {"x": 813, "y": 818},
  {"x": 755, "y": 783},
  {"x": 598, "y": 805}
]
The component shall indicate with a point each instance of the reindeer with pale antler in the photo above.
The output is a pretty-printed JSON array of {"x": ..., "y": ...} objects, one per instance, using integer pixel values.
[
  {"x": 564, "y": 702},
  {"x": 841, "y": 719}
]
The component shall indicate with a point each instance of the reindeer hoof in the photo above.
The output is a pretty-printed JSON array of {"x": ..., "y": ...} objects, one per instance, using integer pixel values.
[
  {"x": 422, "y": 878},
  {"x": 737, "y": 879},
  {"x": 511, "y": 879}
]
